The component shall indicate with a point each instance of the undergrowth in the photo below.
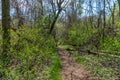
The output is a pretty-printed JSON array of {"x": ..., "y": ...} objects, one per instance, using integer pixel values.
[
  {"x": 104, "y": 66},
  {"x": 33, "y": 56}
]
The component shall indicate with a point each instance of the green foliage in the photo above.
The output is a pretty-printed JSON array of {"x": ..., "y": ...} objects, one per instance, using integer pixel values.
[
  {"x": 33, "y": 53},
  {"x": 60, "y": 32},
  {"x": 117, "y": 23},
  {"x": 79, "y": 34},
  {"x": 111, "y": 43},
  {"x": 104, "y": 66},
  {"x": 0, "y": 39}
]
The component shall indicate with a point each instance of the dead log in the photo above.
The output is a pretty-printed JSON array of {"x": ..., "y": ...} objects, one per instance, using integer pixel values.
[
  {"x": 93, "y": 52},
  {"x": 110, "y": 52},
  {"x": 87, "y": 52},
  {"x": 101, "y": 53}
]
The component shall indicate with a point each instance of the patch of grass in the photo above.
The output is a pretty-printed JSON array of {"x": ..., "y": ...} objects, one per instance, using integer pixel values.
[
  {"x": 55, "y": 69},
  {"x": 105, "y": 67}
]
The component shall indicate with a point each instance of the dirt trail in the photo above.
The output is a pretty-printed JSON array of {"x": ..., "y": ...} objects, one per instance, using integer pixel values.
[{"x": 71, "y": 70}]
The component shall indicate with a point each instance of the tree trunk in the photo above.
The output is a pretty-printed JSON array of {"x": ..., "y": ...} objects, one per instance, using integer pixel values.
[
  {"x": 113, "y": 16},
  {"x": 6, "y": 30},
  {"x": 104, "y": 19},
  {"x": 54, "y": 21},
  {"x": 119, "y": 7}
]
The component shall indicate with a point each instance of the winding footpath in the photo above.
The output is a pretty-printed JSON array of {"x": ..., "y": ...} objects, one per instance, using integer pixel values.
[{"x": 71, "y": 70}]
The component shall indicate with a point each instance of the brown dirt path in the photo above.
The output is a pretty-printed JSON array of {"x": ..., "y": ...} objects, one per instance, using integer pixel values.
[{"x": 71, "y": 70}]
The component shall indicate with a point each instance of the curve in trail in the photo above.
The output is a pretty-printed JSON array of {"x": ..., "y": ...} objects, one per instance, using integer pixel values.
[{"x": 71, "y": 70}]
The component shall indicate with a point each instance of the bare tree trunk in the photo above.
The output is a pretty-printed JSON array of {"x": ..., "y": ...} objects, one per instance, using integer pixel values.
[
  {"x": 104, "y": 19},
  {"x": 54, "y": 21},
  {"x": 113, "y": 15},
  {"x": 112, "y": 9},
  {"x": 42, "y": 13},
  {"x": 6, "y": 30},
  {"x": 119, "y": 7},
  {"x": 99, "y": 20}
]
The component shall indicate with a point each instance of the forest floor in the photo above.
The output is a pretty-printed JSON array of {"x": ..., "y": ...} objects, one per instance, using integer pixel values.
[{"x": 71, "y": 70}]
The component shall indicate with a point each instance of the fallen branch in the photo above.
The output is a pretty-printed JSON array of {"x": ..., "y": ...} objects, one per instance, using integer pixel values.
[
  {"x": 110, "y": 52},
  {"x": 101, "y": 53}
]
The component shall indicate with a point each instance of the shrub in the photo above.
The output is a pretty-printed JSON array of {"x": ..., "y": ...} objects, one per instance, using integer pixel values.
[{"x": 32, "y": 54}]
